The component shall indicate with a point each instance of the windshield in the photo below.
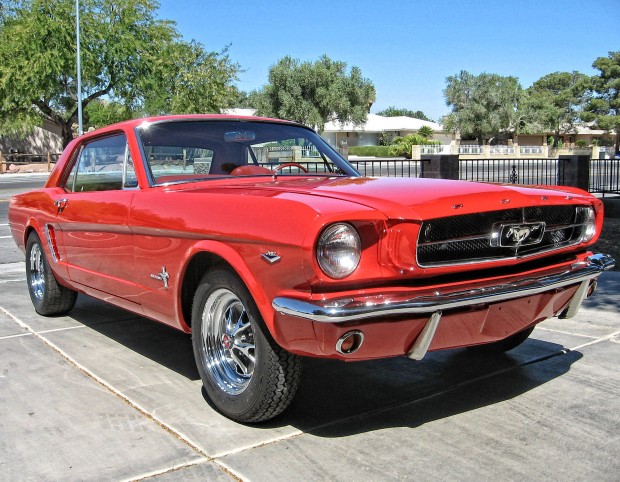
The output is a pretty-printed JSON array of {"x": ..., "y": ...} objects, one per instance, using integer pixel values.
[{"x": 186, "y": 151}]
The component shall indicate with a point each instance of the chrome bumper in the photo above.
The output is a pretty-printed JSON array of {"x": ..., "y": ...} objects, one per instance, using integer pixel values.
[{"x": 342, "y": 310}]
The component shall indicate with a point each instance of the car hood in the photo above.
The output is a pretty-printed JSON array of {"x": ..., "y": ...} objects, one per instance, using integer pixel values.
[{"x": 412, "y": 198}]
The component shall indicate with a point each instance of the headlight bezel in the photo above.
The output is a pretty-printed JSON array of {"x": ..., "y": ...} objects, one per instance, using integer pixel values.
[
  {"x": 338, "y": 250},
  {"x": 589, "y": 231}
]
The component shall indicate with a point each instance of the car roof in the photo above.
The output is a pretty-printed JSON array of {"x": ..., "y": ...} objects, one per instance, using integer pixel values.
[{"x": 132, "y": 123}]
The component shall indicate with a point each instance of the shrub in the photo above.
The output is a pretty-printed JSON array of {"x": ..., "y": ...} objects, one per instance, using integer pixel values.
[
  {"x": 402, "y": 145},
  {"x": 370, "y": 151}
]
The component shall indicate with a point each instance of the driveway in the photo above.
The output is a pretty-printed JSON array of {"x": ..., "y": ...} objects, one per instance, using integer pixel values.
[{"x": 103, "y": 394}]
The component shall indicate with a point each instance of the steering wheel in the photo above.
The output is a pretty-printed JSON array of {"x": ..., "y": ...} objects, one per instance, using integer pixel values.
[{"x": 289, "y": 164}]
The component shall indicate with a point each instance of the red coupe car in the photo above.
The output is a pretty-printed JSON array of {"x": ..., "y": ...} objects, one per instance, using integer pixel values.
[{"x": 261, "y": 241}]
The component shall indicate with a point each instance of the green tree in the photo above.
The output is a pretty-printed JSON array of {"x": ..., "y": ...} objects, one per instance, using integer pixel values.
[
  {"x": 553, "y": 104},
  {"x": 483, "y": 106},
  {"x": 128, "y": 56},
  {"x": 604, "y": 107},
  {"x": 247, "y": 100},
  {"x": 393, "y": 111},
  {"x": 314, "y": 93},
  {"x": 101, "y": 112},
  {"x": 185, "y": 78},
  {"x": 426, "y": 132}
]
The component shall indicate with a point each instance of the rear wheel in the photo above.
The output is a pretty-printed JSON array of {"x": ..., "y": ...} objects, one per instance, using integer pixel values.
[
  {"x": 506, "y": 344},
  {"x": 47, "y": 295},
  {"x": 246, "y": 375}
]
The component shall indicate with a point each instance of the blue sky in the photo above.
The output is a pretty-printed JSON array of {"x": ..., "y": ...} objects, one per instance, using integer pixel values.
[{"x": 406, "y": 48}]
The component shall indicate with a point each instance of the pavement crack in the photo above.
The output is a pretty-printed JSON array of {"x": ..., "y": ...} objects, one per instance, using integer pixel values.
[
  {"x": 611, "y": 337},
  {"x": 116, "y": 392}
]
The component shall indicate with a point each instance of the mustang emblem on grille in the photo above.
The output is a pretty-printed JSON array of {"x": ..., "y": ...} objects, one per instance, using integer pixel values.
[
  {"x": 515, "y": 235},
  {"x": 518, "y": 233}
]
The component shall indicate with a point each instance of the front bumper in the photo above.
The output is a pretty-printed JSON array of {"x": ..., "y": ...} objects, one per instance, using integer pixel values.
[
  {"x": 342, "y": 310},
  {"x": 339, "y": 314}
]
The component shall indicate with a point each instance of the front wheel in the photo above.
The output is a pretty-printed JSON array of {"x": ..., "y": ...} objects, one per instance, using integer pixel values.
[
  {"x": 47, "y": 295},
  {"x": 246, "y": 375}
]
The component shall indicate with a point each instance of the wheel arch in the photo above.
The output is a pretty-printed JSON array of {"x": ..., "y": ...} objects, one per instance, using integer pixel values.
[
  {"x": 207, "y": 256},
  {"x": 30, "y": 226},
  {"x": 29, "y": 229}
]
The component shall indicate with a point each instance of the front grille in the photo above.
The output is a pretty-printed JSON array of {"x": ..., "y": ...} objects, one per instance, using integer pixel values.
[{"x": 495, "y": 235}]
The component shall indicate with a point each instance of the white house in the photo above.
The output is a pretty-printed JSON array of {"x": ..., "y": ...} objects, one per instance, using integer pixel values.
[{"x": 369, "y": 134}]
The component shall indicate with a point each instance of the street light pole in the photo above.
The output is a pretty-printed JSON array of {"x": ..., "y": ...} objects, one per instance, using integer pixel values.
[{"x": 79, "y": 67}]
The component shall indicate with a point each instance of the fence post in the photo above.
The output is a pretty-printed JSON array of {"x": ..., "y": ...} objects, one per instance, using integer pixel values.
[
  {"x": 1, "y": 164},
  {"x": 415, "y": 152},
  {"x": 297, "y": 154},
  {"x": 574, "y": 171},
  {"x": 49, "y": 162},
  {"x": 439, "y": 167}
]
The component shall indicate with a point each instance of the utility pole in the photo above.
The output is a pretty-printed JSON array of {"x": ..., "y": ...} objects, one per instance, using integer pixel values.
[{"x": 79, "y": 68}]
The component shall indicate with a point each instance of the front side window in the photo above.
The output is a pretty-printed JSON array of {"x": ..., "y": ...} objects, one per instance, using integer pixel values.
[
  {"x": 185, "y": 151},
  {"x": 102, "y": 165}
]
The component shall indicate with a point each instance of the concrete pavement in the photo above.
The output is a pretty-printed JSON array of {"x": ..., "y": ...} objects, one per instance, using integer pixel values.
[{"x": 103, "y": 394}]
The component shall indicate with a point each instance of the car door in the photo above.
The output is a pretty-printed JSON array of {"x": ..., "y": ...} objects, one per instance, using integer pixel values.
[{"x": 92, "y": 217}]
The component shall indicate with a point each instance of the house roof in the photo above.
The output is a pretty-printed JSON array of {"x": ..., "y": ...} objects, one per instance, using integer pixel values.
[
  {"x": 240, "y": 111},
  {"x": 378, "y": 123},
  {"x": 589, "y": 129},
  {"x": 374, "y": 123}
]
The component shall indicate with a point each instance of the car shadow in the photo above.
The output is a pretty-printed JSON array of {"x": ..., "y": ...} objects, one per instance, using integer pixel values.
[
  {"x": 161, "y": 343},
  {"x": 337, "y": 399}
]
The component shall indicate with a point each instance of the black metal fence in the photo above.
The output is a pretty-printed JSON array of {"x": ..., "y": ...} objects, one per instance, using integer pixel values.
[
  {"x": 604, "y": 173},
  {"x": 605, "y": 176},
  {"x": 513, "y": 171}
]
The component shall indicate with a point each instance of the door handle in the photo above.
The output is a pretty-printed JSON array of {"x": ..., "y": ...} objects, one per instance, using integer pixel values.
[{"x": 61, "y": 203}]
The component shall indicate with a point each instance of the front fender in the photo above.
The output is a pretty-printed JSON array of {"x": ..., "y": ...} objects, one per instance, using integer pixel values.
[{"x": 237, "y": 262}]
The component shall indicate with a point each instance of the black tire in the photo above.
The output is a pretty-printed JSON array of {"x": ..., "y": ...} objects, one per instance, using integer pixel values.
[
  {"x": 48, "y": 296},
  {"x": 246, "y": 375},
  {"x": 504, "y": 345}
]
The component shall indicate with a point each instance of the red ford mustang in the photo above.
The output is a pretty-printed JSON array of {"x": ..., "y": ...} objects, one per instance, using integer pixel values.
[{"x": 266, "y": 245}]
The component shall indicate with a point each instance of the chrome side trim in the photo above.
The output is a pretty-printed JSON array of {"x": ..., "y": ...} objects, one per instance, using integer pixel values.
[{"x": 346, "y": 309}]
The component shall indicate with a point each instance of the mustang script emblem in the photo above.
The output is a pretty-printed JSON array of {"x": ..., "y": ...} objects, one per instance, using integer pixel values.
[{"x": 515, "y": 235}]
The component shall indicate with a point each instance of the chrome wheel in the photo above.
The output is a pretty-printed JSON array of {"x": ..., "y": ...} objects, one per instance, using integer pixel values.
[
  {"x": 245, "y": 374},
  {"x": 36, "y": 275},
  {"x": 228, "y": 341}
]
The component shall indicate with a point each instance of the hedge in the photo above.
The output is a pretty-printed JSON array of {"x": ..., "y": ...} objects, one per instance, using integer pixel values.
[{"x": 371, "y": 151}]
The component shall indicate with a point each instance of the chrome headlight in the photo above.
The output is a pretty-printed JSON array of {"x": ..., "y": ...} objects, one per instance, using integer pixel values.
[
  {"x": 339, "y": 250},
  {"x": 588, "y": 221}
]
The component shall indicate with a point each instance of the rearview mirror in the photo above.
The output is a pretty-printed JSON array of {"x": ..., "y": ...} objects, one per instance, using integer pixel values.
[{"x": 239, "y": 136}]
